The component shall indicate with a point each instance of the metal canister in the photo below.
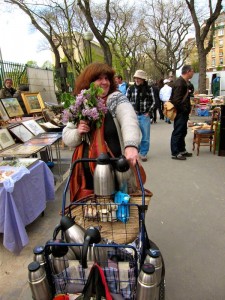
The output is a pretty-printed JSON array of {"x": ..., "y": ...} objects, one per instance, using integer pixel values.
[
  {"x": 38, "y": 282},
  {"x": 154, "y": 257},
  {"x": 39, "y": 255},
  {"x": 104, "y": 178},
  {"x": 146, "y": 285},
  {"x": 59, "y": 257}
]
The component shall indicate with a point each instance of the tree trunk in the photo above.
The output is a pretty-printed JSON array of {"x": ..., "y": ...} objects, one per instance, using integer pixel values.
[
  {"x": 202, "y": 71},
  {"x": 107, "y": 54}
]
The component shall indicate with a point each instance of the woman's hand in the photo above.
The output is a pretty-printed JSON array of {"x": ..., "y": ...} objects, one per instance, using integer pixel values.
[
  {"x": 131, "y": 154},
  {"x": 83, "y": 127}
]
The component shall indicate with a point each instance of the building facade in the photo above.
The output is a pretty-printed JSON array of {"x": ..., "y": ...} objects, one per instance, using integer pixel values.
[{"x": 216, "y": 57}]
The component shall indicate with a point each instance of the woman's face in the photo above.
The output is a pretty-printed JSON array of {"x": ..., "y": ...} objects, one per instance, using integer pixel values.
[{"x": 104, "y": 83}]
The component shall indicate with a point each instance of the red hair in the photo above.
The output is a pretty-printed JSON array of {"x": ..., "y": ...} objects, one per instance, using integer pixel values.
[{"x": 91, "y": 73}]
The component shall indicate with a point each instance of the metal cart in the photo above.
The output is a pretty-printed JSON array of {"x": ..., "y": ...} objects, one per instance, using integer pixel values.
[{"x": 110, "y": 265}]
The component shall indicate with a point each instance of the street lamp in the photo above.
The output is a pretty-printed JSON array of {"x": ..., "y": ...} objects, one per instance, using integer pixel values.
[{"x": 88, "y": 36}]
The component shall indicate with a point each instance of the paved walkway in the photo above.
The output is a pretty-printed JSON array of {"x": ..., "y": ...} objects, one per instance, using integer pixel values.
[{"x": 185, "y": 219}]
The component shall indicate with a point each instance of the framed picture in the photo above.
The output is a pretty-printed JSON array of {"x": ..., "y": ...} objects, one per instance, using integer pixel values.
[
  {"x": 21, "y": 132},
  {"x": 12, "y": 107},
  {"x": 33, "y": 102},
  {"x": 3, "y": 114},
  {"x": 6, "y": 139},
  {"x": 33, "y": 126}
]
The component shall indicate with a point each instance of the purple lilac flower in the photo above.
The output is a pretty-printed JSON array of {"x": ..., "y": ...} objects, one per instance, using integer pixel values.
[
  {"x": 66, "y": 116},
  {"x": 86, "y": 106}
]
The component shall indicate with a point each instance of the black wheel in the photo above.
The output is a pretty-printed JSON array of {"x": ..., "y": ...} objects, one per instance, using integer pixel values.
[{"x": 162, "y": 289}]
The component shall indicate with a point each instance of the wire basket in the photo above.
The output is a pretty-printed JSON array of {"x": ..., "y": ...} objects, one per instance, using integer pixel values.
[
  {"x": 89, "y": 211},
  {"x": 119, "y": 264}
]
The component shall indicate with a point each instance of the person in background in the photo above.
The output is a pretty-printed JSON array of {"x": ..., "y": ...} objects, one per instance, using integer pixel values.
[
  {"x": 160, "y": 84},
  {"x": 119, "y": 134},
  {"x": 191, "y": 89},
  {"x": 164, "y": 95},
  {"x": 7, "y": 91},
  {"x": 216, "y": 86},
  {"x": 157, "y": 105},
  {"x": 122, "y": 85},
  {"x": 181, "y": 100},
  {"x": 141, "y": 96}
]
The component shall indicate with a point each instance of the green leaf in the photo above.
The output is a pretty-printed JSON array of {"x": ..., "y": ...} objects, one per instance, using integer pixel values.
[{"x": 67, "y": 99}]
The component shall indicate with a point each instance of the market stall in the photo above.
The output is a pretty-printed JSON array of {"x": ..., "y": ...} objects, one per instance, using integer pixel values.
[{"x": 22, "y": 201}]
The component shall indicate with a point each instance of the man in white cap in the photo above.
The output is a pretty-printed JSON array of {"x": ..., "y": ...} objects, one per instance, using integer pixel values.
[
  {"x": 164, "y": 95},
  {"x": 141, "y": 97}
]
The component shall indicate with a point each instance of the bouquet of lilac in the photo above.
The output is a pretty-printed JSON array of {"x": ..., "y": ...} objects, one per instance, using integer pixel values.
[{"x": 86, "y": 106}]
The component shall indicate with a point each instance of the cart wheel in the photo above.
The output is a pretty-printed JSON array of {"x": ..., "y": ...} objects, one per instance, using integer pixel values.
[{"x": 162, "y": 290}]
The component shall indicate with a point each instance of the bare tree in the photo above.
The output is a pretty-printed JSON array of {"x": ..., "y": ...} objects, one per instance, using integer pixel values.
[
  {"x": 204, "y": 35},
  {"x": 98, "y": 31},
  {"x": 166, "y": 28},
  {"x": 124, "y": 35},
  {"x": 62, "y": 27}
]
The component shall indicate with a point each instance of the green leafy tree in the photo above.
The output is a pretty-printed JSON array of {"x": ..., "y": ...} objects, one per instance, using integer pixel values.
[{"x": 32, "y": 63}]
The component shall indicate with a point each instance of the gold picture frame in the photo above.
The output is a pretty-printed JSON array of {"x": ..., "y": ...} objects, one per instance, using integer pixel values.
[
  {"x": 12, "y": 107},
  {"x": 33, "y": 102}
]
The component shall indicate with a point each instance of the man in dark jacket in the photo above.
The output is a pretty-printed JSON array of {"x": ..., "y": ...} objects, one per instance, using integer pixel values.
[{"x": 181, "y": 100}]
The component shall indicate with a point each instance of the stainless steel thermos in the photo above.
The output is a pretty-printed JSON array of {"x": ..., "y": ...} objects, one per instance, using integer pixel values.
[
  {"x": 59, "y": 258},
  {"x": 104, "y": 178},
  {"x": 38, "y": 252},
  {"x": 123, "y": 174},
  {"x": 38, "y": 282},
  {"x": 73, "y": 234},
  {"x": 146, "y": 285},
  {"x": 153, "y": 256}
]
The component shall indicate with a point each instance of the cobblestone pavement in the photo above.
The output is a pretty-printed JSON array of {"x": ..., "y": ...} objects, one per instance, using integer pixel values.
[{"x": 185, "y": 219}]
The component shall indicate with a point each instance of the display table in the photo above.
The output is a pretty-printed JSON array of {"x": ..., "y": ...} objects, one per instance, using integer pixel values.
[{"x": 24, "y": 205}]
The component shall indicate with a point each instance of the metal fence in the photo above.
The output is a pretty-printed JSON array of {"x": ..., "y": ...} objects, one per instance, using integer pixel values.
[{"x": 17, "y": 72}]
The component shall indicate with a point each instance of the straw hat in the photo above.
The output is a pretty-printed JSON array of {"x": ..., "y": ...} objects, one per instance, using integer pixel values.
[{"x": 140, "y": 74}]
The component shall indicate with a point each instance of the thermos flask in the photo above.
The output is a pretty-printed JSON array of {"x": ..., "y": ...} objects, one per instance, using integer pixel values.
[
  {"x": 123, "y": 173},
  {"x": 153, "y": 256},
  {"x": 38, "y": 282},
  {"x": 146, "y": 285},
  {"x": 73, "y": 234},
  {"x": 59, "y": 258},
  {"x": 38, "y": 252},
  {"x": 104, "y": 178},
  {"x": 91, "y": 253}
]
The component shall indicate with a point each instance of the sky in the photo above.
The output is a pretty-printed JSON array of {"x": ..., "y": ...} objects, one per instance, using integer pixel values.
[{"x": 18, "y": 43}]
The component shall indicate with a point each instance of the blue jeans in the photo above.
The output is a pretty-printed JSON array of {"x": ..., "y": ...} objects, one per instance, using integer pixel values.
[
  {"x": 144, "y": 123},
  {"x": 179, "y": 133}
]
